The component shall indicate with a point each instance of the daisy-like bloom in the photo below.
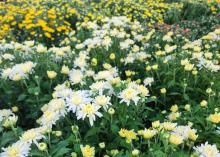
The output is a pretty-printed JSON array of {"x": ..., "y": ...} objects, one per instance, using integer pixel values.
[
  {"x": 129, "y": 95},
  {"x": 49, "y": 118},
  {"x": 87, "y": 151},
  {"x": 148, "y": 81},
  {"x": 214, "y": 118},
  {"x": 148, "y": 133},
  {"x": 80, "y": 61},
  {"x": 185, "y": 132},
  {"x": 32, "y": 135},
  {"x": 76, "y": 76},
  {"x": 176, "y": 139},
  {"x": 89, "y": 110},
  {"x": 103, "y": 101},
  {"x": 18, "y": 149},
  {"x": 207, "y": 150},
  {"x": 169, "y": 126},
  {"x": 62, "y": 91},
  {"x": 8, "y": 56},
  {"x": 100, "y": 86},
  {"x": 29, "y": 43},
  {"x": 6, "y": 113},
  {"x": 19, "y": 71},
  {"x": 41, "y": 49},
  {"x": 10, "y": 121},
  {"x": 57, "y": 105},
  {"x": 106, "y": 74},
  {"x": 76, "y": 99},
  {"x": 143, "y": 90}
]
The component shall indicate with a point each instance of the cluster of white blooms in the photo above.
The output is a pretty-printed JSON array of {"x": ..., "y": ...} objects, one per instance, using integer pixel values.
[
  {"x": 202, "y": 56},
  {"x": 29, "y": 49},
  {"x": 18, "y": 71},
  {"x": 185, "y": 132},
  {"x": 18, "y": 149},
  {"x": 7, "y": 118},
  {"x": 133, "y": 93},
  {"x": 60, "y": 52},
  {"x": 116, "y": 29},
  {"x": 207, "y": 150}
]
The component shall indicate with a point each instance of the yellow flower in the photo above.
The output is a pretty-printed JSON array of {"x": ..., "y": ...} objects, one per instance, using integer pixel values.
[
  {"x": 147, "y": 133},
  {"x": 14, "y": 109},
  {"x": 94, "y": 61},
  {"x": 51, "y": 74},
  {"x": 176, "y": 139},
  {"x": 163, "y": 90},
  {"x": 87, "y": 151},
  {"x": 192, "y": 135},
  {"x": 156, "y": 124},
  {"x": 122, "y": 132},
  {"x": 214, "y": 118},
  {"x": 112, "y": 56},
  {"x": 174, "y": 108},
  {"x": 65, "y": 70},
  {"x": 42, "y": 146},
  {"x": 203, "y": 103}
]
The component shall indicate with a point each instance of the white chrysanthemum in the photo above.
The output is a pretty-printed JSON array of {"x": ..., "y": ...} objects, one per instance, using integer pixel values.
[
  {"x": 207, "y": 150},
  {"x": 6, "y": 113},
  {"x": 129, "y": 95},
  {"x": 5, "y": 72},
  {"x": 100, "y": 86},
  {"x": 182, "y": 131},
  {"x": 29, "y": 43},
  {"x": 19, "y": 71},
  {"x": 148, "y": 81},
  {"x": 80, "y": 61},
  {"x": 106, "y": 74},
  {"x": 103, "y": 101},
  {"x": 76, "y": 99},
  {"x": 57, "y": 105},
  {"x": 41, "y": 49},
  {"x": 61, "y": 91},
  {"x": 8, "y": 56},
  {"x": 76, "y": 76},
  {"x": 49, "y": 118},
  {"x": 18, "y": 149},
  {"x": 89, "y": 111},
  {"x": 32, "y": 135}
]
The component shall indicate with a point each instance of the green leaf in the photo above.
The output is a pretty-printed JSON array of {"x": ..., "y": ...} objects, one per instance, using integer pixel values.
[
  {"x": 21, "y": 97},
  {"x": 37, "y": 153},
  {"x": 7, "y": 138},
  {"x": 62, "y": 152}
]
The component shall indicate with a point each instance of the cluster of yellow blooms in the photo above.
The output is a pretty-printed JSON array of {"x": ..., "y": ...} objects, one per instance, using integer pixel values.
[{"x": 37, "y": 20}]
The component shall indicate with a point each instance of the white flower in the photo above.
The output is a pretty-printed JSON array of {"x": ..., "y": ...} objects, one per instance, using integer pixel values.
[
  {"x": 129, "y": 94},
  {"x": 103, "y": 101},
  {"x": 76, "y": 76},
  {"x": 41, "y": 49},
  {"x": 32, "y": 135},
  {"x": 90, "y": 111},
  {"x": 5, "y": 113},
  {"x": 8, "y": 56},
  {"x": 57, "y": 105},
  {"x": 183, "y": 131},
  {"x": 61, "y": 91},
  {"x": 207, "y": 150},
  {"x": 29, "y": 43},
  {"x": 19, "y": 71},
  {"x": 100, "y": 86},
  {"x": 49, "y": 118},
  {"x": 148, "y": 81},
  {"x": 18, "y": 149},
  {"x": 76, "y": 99}
]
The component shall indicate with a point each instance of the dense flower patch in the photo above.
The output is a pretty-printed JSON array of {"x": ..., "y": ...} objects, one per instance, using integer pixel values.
[{"x": 112, "y": 85}]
